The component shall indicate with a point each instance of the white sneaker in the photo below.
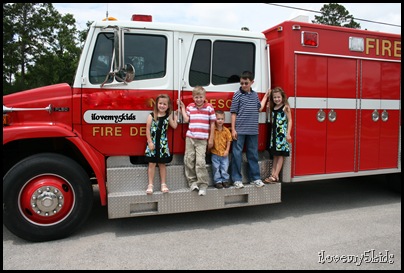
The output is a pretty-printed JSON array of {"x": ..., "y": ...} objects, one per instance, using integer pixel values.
[
  {"x": 194, "y": 187},
  {"x": 202, "y": 192},
  {"x": 238, "y": 185},
  {"x": 258, "y": 183}
]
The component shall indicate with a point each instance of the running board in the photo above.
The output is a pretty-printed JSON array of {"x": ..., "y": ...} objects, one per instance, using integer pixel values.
[{"x": 127, "y": 196}]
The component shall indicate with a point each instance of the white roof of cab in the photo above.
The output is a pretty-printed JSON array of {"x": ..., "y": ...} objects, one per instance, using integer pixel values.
[{"x": 181, "y": 28}]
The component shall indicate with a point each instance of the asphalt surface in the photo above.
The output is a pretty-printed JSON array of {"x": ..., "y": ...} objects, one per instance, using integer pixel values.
[{"x": 344, "y": 224}]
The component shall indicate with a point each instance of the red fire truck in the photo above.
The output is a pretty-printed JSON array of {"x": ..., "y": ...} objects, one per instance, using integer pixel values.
[{"x": 61, "y": 142}]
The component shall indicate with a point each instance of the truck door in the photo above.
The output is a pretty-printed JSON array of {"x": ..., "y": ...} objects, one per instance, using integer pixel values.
[
  {"x": 114, "y": 113},
  {"x": 326, "y": 115},
  {"x": 379, "y": 119}
]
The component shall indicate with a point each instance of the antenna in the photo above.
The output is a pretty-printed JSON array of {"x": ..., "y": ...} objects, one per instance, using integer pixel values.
[{"x": 107, "y": 12}]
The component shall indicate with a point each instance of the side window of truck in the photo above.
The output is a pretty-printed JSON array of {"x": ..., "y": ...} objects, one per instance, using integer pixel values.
[
  {"x": 229, "y": 59},
  {"x": 147, "y": 54},
  {"x": 102, "y": 58}
]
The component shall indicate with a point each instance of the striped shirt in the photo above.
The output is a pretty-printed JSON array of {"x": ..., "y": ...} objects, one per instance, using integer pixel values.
[
  {"x": 246, "y": 105},
  {"x": 199, "y": 120}
]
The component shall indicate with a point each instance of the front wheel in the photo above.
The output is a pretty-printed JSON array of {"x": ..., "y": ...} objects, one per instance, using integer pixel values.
[{"x": 46, "y": 197}]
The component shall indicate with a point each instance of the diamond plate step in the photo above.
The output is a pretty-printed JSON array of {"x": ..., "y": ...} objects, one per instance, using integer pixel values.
[{"x": 127, "y": 183}]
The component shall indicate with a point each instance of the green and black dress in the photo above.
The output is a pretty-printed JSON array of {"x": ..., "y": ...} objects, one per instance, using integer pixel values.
[{"x": 158, "y": 132}]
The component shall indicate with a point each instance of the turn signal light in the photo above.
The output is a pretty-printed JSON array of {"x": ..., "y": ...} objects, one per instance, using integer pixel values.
[{"x": 6, "y": 119}]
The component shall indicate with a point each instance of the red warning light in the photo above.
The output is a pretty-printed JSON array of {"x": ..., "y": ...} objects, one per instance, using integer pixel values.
[
  {"x": 309, "y": 38},
  {"x": 141, "y": 17}
]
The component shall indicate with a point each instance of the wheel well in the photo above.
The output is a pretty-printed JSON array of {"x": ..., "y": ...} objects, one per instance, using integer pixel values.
[{"x": 19, "y": 149}]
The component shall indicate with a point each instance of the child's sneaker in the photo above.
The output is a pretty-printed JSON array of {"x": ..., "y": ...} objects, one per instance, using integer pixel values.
[
  {"x": 238, "y": 185},
  {"x": 194, "y": 187},
  {"x": 258, "y": 183}
]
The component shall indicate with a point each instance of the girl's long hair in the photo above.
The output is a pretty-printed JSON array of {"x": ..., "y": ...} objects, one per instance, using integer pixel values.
[
  {"x": 271, "y": 97},
  {"x": 169, "y": 109}
]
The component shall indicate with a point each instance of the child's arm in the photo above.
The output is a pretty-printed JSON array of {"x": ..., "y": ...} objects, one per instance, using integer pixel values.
[
  {"x": 233, "y": 125},
  {"x": 183, "y": 111},
  {"x": 211, "y": 135},
  {"x": 289, "y": 116},
  {"x": 173, "y": 119},
  {"x": 226, "y": 152},
  {"x": 148, "y": 135},
  {"x": 264, "y": 99}
]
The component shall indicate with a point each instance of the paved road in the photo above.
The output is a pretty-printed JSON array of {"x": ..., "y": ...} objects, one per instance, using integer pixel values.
[{"x": 333, "y": 224}]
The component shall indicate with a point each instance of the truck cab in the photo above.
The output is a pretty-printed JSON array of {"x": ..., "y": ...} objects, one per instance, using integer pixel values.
[{"x": 98, "y": 126}]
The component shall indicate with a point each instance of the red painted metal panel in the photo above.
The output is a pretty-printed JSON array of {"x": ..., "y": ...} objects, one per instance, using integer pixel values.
[
  {"x": 310, "y": 134},
  {"x": 389, "y": 131},
  {"x": 341, "y": 142},
  {"x": 369, "y": 142},
  {"x": 341, "y": 133},
  {"x": 370, "y": 129},
  {"x": 309, "y": 143}
]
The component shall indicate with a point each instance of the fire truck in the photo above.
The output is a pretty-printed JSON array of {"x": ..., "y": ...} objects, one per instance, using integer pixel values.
[{"x": 63, "y": 144}]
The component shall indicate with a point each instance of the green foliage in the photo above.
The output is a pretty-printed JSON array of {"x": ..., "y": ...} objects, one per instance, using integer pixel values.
[
  {"x": 334, "y": 14},
  {"x": 40, "y": 46}
]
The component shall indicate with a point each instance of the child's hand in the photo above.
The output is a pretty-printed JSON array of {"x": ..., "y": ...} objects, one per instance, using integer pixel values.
[
  {"x": 151, "y": 146},
  {"x": 210, "y": 144},
  {"x": 234, "y": 135}
]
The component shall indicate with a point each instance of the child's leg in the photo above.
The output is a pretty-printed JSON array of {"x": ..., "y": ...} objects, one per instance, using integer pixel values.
[
  {"x": 189, "y": 161},
  {"x": 224, "y": 168},
  {"x": 150, "y": 172},
  {"x": 216, "y": 168},
  {"x": 200, "y": 163},
  {"x": 163, "y": 176},
  {"x": 277, "y": 166},
  {"x": 273, "y": 177},
  {"x": 163, "y": 173}
]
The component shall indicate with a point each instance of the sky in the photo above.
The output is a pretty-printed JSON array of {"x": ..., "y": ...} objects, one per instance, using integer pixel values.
[{"x": 255, "y": 16}]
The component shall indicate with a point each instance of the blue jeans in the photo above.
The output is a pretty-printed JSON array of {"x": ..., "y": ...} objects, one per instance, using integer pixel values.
[
  {"x": 252, "y": 157},
  {"x": 220, "y": 166}
]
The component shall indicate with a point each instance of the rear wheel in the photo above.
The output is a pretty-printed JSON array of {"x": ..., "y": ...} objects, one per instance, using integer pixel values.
[{"x": 46, "y": 197}]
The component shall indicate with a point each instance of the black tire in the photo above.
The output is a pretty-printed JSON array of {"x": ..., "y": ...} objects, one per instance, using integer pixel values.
[{"x": 46, "y": 197}]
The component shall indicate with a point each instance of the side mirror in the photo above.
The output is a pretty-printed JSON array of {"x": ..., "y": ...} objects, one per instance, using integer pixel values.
[
  {"x": 118, "y": 48},
  {"x": 126, "y": 74}
]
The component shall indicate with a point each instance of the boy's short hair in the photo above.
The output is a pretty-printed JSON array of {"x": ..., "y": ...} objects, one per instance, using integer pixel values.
[
  {"x": 247, "y": 75},
  {"x": 198, "y": 90},
  {"x": 219, "y": 112}
]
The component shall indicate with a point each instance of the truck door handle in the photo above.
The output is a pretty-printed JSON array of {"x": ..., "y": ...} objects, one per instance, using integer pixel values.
[
  {"x": 375, "y": 115},
  {"x": 385, "y": 115},
  {"x": 332, "y": 115},
  {"x": 320, "y": 115}
]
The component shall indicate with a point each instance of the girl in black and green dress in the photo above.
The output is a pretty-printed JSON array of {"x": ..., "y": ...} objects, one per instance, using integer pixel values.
[
  {"x": 157, "y": 151},
  {"x": 281, "y": 120}
]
